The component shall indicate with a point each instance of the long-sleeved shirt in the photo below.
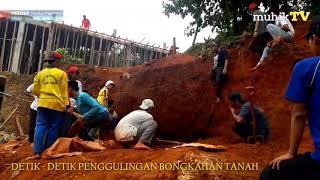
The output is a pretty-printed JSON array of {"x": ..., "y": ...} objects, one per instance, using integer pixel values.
[
  {"x": 127, "y": 127},
  {"x": 51, "y": 86},
  {"x": 88, "y": 106}
]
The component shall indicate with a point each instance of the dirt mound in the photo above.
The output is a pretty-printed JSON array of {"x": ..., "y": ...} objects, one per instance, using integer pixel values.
[
  {"x": 185, "y": 107},
  {"x": 184, "y": 96}
]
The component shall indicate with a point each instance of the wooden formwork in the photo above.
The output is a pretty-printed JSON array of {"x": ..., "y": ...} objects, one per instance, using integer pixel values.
[{"x": 24, "y": 43}]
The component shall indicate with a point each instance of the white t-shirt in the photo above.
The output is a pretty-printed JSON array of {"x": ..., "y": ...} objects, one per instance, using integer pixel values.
[
  {"x": 34, "y": 104},
  {"x": 127, "y": 127},
  {"x": 282, "y": 20},
  {"x": 79, "y": 86}
]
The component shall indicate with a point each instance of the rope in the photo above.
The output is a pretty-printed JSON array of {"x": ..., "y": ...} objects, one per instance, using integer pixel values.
[{"x": 11, "y": 96}]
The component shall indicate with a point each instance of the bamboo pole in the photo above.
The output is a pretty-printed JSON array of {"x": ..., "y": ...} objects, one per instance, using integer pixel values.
[
  {"x": 3, "y": 46},
  {"x": 66, "y": 43}
]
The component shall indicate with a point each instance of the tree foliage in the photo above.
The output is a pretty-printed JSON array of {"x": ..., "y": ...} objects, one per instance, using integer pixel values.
[{"x": 229, "y": 17}]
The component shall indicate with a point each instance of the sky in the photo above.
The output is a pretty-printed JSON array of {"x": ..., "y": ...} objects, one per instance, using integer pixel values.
[{"x": 137, "y": 20}]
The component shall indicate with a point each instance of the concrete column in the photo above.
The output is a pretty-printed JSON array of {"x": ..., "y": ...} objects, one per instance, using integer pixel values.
[{"x": 18, "y": 49}]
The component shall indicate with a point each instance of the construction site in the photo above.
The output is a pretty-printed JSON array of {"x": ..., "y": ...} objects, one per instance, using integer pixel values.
[{"x": 178, "y": 83}]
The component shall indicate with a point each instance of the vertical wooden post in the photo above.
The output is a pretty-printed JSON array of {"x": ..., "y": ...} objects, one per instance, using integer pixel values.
[
  {"x": 93, "y": 43},
  {"x": 79, "y": 52},
  {"x": 100, "y": 47},
  {"x": 76, "y": 45},
  {"x": 4, "y": 45},
  {"x": 13, "y": 41},
  {"x": 23, "y": 46},
  {"x": 174, "y": 48},
  {"x": 17, "y": 49},
  {"x": 85, "y": 48},
  {"x": 32, "y": 49},
  {"x": 42, "y": 50},
  {"x": 66, "y": 43},
  {"x": 58, "y": 38},
  {"x": 73, "y": 42}
]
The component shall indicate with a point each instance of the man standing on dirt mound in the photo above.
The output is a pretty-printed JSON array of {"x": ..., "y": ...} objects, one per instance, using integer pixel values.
[
  {"x": 304, "y": 93},
  {"x": 219, "y": 71},
  {"x": 137, "y": 126},
  {"x": 51, "y": 86}
]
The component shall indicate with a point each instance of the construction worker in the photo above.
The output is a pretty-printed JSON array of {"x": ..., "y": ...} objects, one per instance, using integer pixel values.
[
  {"x": 86, "y": 23},
  {"x": 91, "y": 113},
  {"x": 32, "y": 113},
  {"x": 51, "y": 86},
  {"x": 104, "y": 95},
  {"x": 74, "y": 74},
  {"x": 304, "y": 93},
  {"x": 260, "y": 34},
  {"x": 220, "y": 70},
  {"x": 241, "y": 111},
  {"x": 281, "y": 31},
  {"x": 137, "y": 126}
]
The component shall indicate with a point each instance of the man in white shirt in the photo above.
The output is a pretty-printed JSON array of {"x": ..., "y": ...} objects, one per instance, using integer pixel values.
[
  {"x": 33, "y": 112},
  {"x": 282, "y": 30},
  {"x": 138, "y": 125}
]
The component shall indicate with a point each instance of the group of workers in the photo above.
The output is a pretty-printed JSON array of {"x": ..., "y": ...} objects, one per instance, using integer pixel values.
[{"x": 61, "y": 108}]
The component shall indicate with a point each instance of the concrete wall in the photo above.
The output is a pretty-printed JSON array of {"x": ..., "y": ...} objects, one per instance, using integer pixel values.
[{"x": 15, "y": 85}]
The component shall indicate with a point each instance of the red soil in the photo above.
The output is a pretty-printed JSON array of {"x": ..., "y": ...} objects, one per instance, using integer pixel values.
[{"x": 185, "y": 109}]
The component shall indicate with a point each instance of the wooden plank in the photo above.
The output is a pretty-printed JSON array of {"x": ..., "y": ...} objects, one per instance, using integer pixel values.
[
  {"x": 79, "y": 52},
  {"x": 3, "y": 46},
  {"x": 85, "y": 49},
  {"x": 9, "y": 116},
  {"x": 20, "y": 130}
]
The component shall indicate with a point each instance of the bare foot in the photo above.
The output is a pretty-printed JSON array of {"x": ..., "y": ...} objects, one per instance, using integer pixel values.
[
  {"x": 253, "y": 69},
  {"x": 37, "y": 156},
  {"x": 141, "y": 146}
]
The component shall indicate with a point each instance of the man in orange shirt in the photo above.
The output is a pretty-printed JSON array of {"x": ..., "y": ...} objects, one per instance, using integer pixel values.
[{"x": 86, "y": 23}]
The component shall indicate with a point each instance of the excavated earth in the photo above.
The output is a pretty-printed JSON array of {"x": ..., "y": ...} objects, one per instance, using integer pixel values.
[{"x": 185, "y": 110}]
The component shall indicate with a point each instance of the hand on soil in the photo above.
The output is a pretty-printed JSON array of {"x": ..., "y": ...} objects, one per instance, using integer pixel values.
[
  {"x": 276, "y": 162},
  {"x": 141, "y": 146}
]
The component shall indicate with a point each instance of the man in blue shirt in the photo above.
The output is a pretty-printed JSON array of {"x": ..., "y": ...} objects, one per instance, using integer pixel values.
[
  {"x": 304, "y": 93},
  {"x": 92, "y": 114}
]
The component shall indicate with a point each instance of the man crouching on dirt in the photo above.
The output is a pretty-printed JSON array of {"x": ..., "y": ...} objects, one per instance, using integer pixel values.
[
  {"x": 304, "y": 92},
  {"x": 92, "y": 114},
  {"x": 242, "y": 113},
  {"x": 137, "y": 126}
]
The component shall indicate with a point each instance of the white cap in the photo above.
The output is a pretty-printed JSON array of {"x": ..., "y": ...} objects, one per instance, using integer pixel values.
[
  {"x": 109, "y": 82},
  {"x": 146, "y": 104}
]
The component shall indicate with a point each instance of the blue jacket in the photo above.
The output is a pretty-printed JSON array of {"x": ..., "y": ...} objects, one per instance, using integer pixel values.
[{"x": 89, "y": 107}]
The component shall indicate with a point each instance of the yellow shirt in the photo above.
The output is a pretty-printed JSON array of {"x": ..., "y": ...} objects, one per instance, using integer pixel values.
[
  {"x": 51, "y": 86},
  {"x": 103, "y": 95}
]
